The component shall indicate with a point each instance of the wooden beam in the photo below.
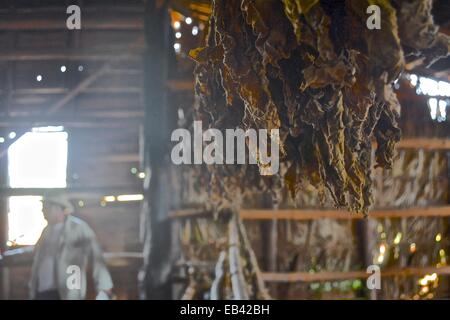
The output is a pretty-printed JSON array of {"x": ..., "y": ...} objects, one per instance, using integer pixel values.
[
  {"x": 120, "y": 158},
  {"x": 159, "y": 245},
  {"x": 114, "y": 114},
  {"x": 180, "y": 85},
  {"x": 188, "y": 213},
  {"x": 90, "y": 21},
  {"x": 85, "y": 83},
  {"x": 47, "y": 9},
  {"x": 72, "y": 192},
  {"x": 424, "y": 143},
  {"x": 85, "y": 113},
  {"x": 315, "y": 214},
  {"x": 290, "y": 277},
  {"x": 235, "y": 263},
  {"x": 24, "y": 257},
  {"x": 305, "y": 214},
  {"x": 60, "y": 90},
  {"x": 94, "y": 122},
  {"x": 67, "y": 55},
  {"x": 122, "y": 255},
  {"x": 4, "y": 273}
]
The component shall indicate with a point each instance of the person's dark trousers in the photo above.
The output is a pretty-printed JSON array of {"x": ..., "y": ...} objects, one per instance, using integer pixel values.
[{"x": 48, "y": 295}]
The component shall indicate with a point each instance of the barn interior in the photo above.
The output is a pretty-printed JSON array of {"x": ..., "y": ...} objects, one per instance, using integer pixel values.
[{"x": 89, "y": 112}]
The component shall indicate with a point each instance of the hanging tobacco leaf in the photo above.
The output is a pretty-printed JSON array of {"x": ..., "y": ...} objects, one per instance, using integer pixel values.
[{"x": 314, "y": 70}]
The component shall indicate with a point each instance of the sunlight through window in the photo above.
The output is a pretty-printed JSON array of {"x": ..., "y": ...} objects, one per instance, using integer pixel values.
[
  {"x": 437, "y": 90},
  {"x": 38, "y": 159},
  {"x": 26, "y": 220}
]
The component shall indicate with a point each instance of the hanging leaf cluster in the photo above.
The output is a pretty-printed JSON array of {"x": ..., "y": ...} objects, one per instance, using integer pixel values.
[{"x": 315, "y": 71}]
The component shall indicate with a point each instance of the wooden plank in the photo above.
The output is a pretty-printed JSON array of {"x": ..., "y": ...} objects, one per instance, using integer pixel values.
[
  {"x": 315, "y": 214},
  {"x": 4, "y": 272},
  {"x": 54, "y": 8},
  {"x": 123, "y": 255},
  {"x": 61, "y": 90},
  {"x": 121, "y": 158},
  {"x": 424, "y": 143},
  {"x": 180, "y": 85},
  {"x": 84, "y": 84},
  {"x": 90, "y": 21},
  {"x": 342, "y": 275},
  {"x": 79, "y": 122},
  {"x": 87, "y": 158},
  {"x": 88, "y": 81},
  {"x": 235, "y": 263},
  {"x": 74, "y": 192},
  {"x": 24, "y": 256},
  {"x": 67, "y": 55},
  {"x": 297, "y": 214},
  {"x": 159, "y": 246},
  {"x": 186, "y": 213}
]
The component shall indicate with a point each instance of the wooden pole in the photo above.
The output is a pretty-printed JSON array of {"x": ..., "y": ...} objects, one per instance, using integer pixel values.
[
  {"x": 262, "y": 290},
  {"x": 219, "y": 275},
  {"x": 157, "y": 239},
  {"x": 238, "y": 283},
  {"x": 365, "y": 243},
  {"x": 4, "y": 272},
  {"x": 447, "y": 221}
]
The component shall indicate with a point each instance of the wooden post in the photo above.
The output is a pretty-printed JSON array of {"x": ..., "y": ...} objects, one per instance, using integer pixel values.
[
  {"x": 238, "y": 284},
  {"x": 270, "y": 240},
  {"x": 447, "y": 219},
  {"x": 265, "y": 227},
  {"x": 157, "y": 240},
  {"x": 364, "y": 237},
  {"x": 4, "y": 272},
  {"x": 364, "y": 245}
]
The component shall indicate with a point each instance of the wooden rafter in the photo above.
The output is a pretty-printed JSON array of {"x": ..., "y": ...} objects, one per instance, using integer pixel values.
[{"x": 85, "y": 83}]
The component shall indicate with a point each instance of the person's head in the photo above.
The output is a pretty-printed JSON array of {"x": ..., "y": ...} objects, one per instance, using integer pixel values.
[{"x": 55, "y": 209}]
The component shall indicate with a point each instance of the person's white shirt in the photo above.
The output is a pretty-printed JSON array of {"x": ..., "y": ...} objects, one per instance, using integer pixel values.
[{"x": 47, "y": 264}]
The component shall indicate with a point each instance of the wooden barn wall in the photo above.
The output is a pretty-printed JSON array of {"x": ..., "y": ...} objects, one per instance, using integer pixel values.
[
  {"x": 103, "y": 120},
  {"x": 418, "y": 179},
  {"x": 115, "y": 224}
]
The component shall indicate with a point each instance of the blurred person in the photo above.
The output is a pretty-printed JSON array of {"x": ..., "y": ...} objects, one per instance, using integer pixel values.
[{"x": 65, "y": 249}]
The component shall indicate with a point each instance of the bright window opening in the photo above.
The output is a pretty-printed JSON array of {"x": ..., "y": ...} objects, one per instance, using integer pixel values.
[
  {"x": 25, "y": 219},
  {"x": 439, "y": 91},
  {"x": 38, "y": 159}
]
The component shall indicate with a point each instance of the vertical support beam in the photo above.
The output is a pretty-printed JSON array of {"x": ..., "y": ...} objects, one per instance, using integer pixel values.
[
  {"x": 447, "y": 220},
  {"x": 270, "y": 241},
  {"x": 157, "y": 244},
  {"x": 4, "y": 274},
  {"x": 10, "y": 86},
  {"x": 4, "y": 182},
  {"x": 365, "y": 243},
  {"x": 364, "y": 237}
]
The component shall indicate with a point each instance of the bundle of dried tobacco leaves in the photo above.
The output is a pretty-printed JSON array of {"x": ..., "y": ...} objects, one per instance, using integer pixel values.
[{"x": 314, "y": 70}]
